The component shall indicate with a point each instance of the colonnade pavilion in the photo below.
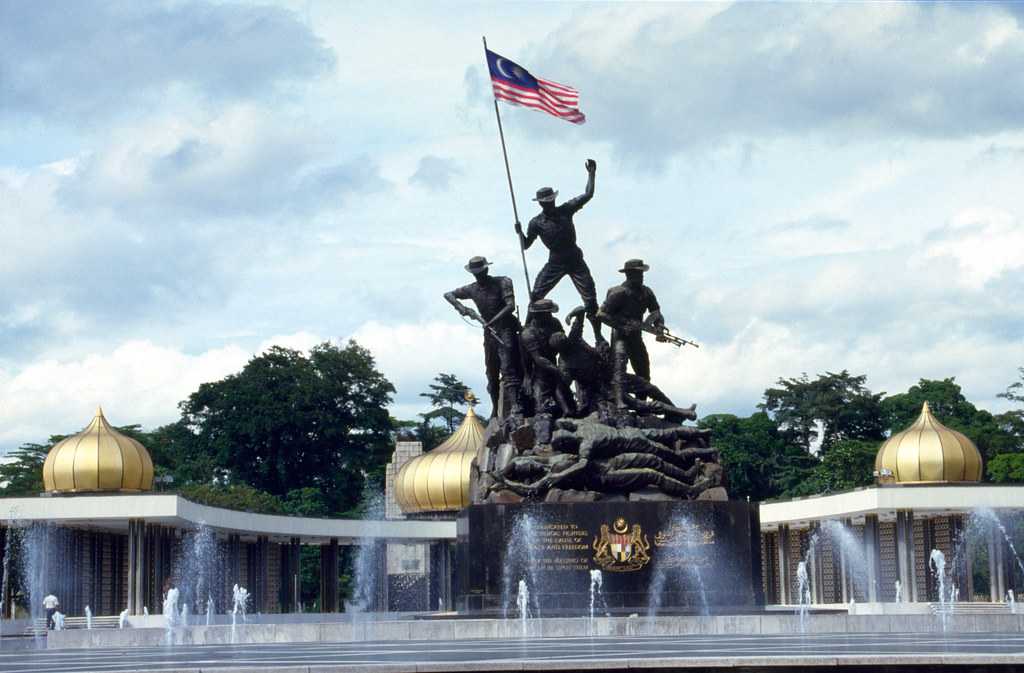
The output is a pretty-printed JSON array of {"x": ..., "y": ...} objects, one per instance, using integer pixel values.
[{"x": 100, "y": 536}]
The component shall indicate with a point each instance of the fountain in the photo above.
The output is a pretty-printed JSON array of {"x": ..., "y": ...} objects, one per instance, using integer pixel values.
[
  {"x": 1011, "y": 601},
  {"x": 521, "y": 560},
  {"x": 523, "y": 601},
  {"x": 683, "y": 548},
  {"x": 854, "y": 561},
  {"x": 184, "y": 614},
  {"x": 88, "y": 618},
  {"x": 58, "y": 621},
  {"x": 122, "y": 618},
  {"x": 209, "y": 610},
  {"x": 196, "y": 570},
  {"x": 366, "y": 564},
  {"x": 937, "y": 560},
  {"x": 899, "y": 592},
  {"x": 170, "y": 610},
  {"x": 240, "y": 601},
  {"x": 803, "y": 594},
  {"x": 596, "y": 580},
  {"x": 989, "y": 515}
]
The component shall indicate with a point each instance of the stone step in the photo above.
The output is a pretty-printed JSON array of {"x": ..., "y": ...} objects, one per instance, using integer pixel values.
[{"x": 964, "y": 608}]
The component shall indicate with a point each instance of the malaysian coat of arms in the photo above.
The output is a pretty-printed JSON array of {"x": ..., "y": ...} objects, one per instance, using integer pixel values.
[{"x": 621, "y": 549}]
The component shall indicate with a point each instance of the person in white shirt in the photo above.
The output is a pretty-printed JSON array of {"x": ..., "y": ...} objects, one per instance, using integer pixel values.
[{"x": 50, "y": 603}]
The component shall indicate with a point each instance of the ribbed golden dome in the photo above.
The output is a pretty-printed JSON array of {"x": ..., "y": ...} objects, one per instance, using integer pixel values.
[
  {"x": 98, "y": 458},
  {"x": 438, "y": 481},
  {"x": 928, "y": 451}
]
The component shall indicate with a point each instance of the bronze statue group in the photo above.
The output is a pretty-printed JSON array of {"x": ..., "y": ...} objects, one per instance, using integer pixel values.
[{"x": 568, "y": 417}]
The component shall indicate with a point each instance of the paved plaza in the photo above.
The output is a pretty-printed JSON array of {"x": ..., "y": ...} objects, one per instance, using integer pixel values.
[{"x": 865, "y": 651}]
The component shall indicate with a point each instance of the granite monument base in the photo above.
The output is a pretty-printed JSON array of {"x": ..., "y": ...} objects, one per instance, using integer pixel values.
[{"x": 663, "y": 557}]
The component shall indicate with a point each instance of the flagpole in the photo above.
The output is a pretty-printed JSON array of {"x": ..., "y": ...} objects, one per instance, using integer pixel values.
[{"x": 511, "y": 192}]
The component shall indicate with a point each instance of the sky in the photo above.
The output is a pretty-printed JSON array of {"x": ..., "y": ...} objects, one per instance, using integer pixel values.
[{"x": 816, "y": 187}]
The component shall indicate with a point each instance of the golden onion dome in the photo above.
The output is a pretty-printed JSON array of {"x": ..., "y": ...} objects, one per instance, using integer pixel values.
[
  {"x": 928, "y": 451},
  {"x": 438, "y": 481},
  {"x": 99, "y": 458}
]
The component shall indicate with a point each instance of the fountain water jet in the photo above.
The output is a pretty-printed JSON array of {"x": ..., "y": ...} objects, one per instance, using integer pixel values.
[
  {"x": 170, "y": 610},
  {"x": 523, "y": 601},
  {"x": 596, "y": 581},
  {"x": 937, "y": 560},
  {"x": 88, "y": 618}
]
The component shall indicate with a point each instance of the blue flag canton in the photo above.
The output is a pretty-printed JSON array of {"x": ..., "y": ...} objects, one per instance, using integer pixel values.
[{"x": 504, "y": 70}]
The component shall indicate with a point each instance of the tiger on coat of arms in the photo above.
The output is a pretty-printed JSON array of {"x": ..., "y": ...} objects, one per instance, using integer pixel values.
[{"x": 621, "y": 549}]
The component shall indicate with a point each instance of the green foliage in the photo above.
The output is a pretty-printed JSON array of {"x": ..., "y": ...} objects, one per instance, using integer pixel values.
[
  {"x": 849, "y": 464},
  {"x": 1006, "y": 468},
  {"x": 993, "y": 434},
  {"x": 446, "y": 393},
  {"x": 240, "y": 497},
  {"x": 840, "y": 404},
  {"x": 289, "y": 421},
  {"x": 423, "y": 431},
  {"x": 753, "y": 453},
  {"x": 308, "y": 501},
  {"x": 24, "y": 475}
]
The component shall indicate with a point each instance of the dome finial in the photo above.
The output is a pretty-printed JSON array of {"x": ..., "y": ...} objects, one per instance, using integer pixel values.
[
  {"x": 925, "y": 409},
  {"x": 471, "y": 400},
  {"x": 99, "y": 411}
]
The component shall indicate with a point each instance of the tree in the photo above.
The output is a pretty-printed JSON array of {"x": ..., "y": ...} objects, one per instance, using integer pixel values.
[
  {"x": 839, "y": 404},
  {"x": 1006, "y": 468},
  {"x": 239, "y": 497},
  {"x": 848, "y": 464},
  {"x": 991, "y": 433},
  {"x": 750, "y": 448},
  {"x": 289, "y": 421},
  {"x": 24, "y": 474},
  {"x": 422, "y": 431},
  {"x": 445, "y": 394}
]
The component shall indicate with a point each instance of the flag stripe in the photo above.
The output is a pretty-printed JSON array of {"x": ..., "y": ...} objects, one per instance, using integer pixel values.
[
  {"x": 541, "y": 96},
  {"x": 569, "y": 100},
  {"x": 575, "y": 116},
  {"x": 535, "y": 102}
]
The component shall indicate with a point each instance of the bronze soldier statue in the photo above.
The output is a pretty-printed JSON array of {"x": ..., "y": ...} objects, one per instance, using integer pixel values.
[
  {"x": 623, "y": 310},
  {"x": 593, "y": 372},
  {"x": 550, "y": 394},
  {"x": 557, "y": 231},
  {"x": 495, "y": 302}
]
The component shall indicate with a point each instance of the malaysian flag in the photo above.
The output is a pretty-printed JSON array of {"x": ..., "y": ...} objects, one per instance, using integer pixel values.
[{"x": 513, "y": 84}]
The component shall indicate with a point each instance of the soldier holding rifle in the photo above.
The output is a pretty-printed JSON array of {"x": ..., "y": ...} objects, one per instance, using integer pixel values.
[
  {"x": 623, "y": 310},
  {"x": 495, "y": 302}
]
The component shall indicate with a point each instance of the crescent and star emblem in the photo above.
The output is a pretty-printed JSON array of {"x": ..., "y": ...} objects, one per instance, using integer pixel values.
[{"x": 497, "y": 64}]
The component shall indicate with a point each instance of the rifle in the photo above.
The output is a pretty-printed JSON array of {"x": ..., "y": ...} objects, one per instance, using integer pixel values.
[
  {"x": 487, "y": 328},
  {"x": 660, "y": 332},
  {"x": 662, "y": 335}
]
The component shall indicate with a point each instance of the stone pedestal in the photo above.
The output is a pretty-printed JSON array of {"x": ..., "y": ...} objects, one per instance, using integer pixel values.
[{"x": 670, "y": 556}]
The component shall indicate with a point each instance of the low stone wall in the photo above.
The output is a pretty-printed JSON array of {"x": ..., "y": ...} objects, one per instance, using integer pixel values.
[{"x": 451, "y": 629}]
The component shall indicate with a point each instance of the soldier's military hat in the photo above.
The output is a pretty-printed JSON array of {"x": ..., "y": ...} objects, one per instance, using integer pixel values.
[
  {"x": 634, "y": 265},
  {"x": 477, "y": 264},
  {"x": 543, "y": 306},
  {"x": 546, "y": 194}
]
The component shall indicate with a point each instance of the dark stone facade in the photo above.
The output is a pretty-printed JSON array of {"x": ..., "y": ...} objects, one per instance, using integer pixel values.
[{"x": 656, "y": 556}]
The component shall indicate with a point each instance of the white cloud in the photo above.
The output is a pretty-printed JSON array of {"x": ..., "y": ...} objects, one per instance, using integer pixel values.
[
  {"x": 137, "y": 382},
  {"x": 983, "y": 242}
]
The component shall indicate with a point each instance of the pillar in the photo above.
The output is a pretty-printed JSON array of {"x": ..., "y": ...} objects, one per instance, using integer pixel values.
[
  {"x": 905, "y": 562},
  {"x": 329, "y": 576},
  {"x": 815, "y": 572},
  {"x": 290, "y": 576},
  {"x": 871, "y": 556},
  {"x": 996, "y": 567},
  {"x": 783, "y": 548}
]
